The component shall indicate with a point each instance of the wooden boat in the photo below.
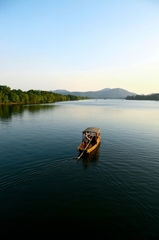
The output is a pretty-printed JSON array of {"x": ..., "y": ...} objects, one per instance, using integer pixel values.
[{"x": 90, "y": 140}]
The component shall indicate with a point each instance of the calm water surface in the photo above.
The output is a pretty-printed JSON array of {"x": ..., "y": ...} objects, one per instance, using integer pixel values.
[{"x": 46, "y": 191}]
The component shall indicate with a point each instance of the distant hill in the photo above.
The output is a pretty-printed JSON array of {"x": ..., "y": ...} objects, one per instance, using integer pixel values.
[
  {"x": 114, "y": 93},
  {"x": 62, "y": 91}
]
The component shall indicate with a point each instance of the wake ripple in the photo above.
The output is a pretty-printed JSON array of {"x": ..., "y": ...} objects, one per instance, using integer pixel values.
[{"x": 30, "y": 172}]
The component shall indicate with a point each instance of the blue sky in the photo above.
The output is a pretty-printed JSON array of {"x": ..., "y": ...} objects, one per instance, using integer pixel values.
[{"x": 80, "y": 44}]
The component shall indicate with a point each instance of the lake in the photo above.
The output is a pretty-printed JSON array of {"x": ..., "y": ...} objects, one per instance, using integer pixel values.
[{"x": 45, "y": 191}]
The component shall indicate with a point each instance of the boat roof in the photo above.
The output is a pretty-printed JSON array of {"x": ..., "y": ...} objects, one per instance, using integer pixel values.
[{"x": 92, "y": 129}]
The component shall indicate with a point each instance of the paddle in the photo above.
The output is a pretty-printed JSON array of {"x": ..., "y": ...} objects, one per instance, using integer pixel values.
[{"x": 85, "y": 149}]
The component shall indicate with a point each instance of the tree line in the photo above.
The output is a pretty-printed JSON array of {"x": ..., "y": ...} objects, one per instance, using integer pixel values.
[
  {"x": 154, "y": 97},
  {"x": 8, "y": 96}
]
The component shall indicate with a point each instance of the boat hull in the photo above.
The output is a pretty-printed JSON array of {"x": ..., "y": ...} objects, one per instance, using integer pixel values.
[{"x": 90, "y": 148}]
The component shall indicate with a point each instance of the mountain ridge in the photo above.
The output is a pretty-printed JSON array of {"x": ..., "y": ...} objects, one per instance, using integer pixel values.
[{"x": 110, "y": 93}]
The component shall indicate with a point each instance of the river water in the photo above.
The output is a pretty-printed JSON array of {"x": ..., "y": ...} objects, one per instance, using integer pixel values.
[{"x": 45, "y": 191}]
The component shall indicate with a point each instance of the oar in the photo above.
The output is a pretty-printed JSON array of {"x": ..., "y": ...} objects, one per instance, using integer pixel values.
[{"x": 84, "y": 149}]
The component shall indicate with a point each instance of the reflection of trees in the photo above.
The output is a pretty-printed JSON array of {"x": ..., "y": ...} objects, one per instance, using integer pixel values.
[
  {"x": 7, "y": 111},
  {"x": 37, "y": 108}
]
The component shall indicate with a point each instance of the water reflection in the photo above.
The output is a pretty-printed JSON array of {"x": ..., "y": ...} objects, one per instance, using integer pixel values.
[
  {"x": 115, "y": 187},
  {"x": 8, "y": 111}
]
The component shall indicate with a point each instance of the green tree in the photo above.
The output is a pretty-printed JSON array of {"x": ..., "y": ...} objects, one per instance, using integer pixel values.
[
  {"x": 14, "y": 97},
  {"x": 1, "y": 96}
]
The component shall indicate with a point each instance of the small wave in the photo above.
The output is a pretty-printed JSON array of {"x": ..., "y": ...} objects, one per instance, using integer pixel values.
[{"x": 31, "y": 172}]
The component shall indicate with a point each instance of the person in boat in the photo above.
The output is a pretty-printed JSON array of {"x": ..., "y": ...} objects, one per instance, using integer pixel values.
[
  {"x": 86, "y": 139},
  {"x": 95, "y": 138},
  {"x": 88, "y": 136}
]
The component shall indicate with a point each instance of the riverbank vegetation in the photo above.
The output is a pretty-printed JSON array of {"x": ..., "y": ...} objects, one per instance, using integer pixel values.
[
  {"x": 154, "y": 97},
  {"x": 8, "y": 96}
]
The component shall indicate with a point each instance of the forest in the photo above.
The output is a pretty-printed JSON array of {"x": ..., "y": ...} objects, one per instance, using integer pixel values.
[
  {"x": 8, "y": 96},
  {"x": 154, "y": 97}
]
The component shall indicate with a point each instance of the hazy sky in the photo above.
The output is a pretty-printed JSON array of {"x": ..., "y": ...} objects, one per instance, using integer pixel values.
[{"x": 80, "y": 44}]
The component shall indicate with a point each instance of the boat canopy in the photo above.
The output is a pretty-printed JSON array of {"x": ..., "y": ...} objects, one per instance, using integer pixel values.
[{"x": 92, "y": 129}]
